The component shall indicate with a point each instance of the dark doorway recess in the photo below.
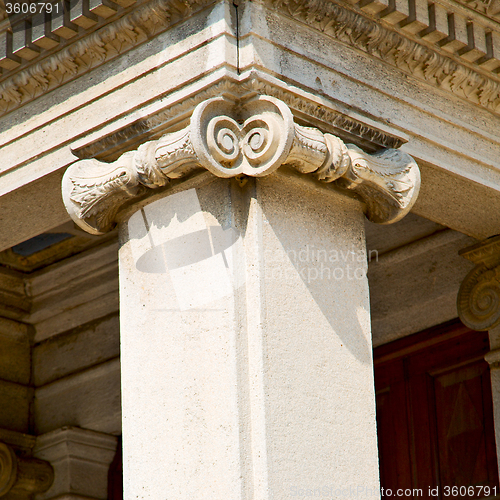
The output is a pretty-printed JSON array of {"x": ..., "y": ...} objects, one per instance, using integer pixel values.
[{"x": 435, "y": 416}]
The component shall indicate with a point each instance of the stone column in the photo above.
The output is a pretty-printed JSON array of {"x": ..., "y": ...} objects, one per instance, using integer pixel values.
[
  {"x": 479, "y": 308},
  {"x": 245, "y": 326}
]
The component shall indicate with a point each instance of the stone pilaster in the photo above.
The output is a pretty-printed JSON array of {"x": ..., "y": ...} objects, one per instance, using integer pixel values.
[
  {"x": 478, "y": 306},
  {"x": 478, "y": 299},
  {"x": 245, "y": 325},
  {"x": 81, "y": 460}
]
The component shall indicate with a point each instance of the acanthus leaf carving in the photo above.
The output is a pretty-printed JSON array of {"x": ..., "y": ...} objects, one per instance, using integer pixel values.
[{"x": 251, "y": 137}]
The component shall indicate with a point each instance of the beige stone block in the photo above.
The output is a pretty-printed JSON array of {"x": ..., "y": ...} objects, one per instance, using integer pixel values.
[
  {"x": 77, "y": 350},
  {"x": 458, "y": 37},
  {"x": 418, "y": 18},
  {"x": 8, "y": 60},
  {"x": 491, "y": 61},
  {"x": 373, "y": 6},
  {"x": 438, "y": 24},
  {"x": 15, "y": 352},
  {"x": 399, "y": 12},
  {"x": 88, "y": 399},
  {"x": 15, "y": 401}
]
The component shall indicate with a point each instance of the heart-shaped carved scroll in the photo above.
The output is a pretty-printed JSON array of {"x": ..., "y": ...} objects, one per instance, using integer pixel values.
[{"x": 253, "y": 139}]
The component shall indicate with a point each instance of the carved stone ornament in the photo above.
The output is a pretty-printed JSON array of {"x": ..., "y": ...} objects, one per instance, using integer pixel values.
[
  {"x": 21, "y": 477},
  {"x": 8, "y": 469},
  {"x": 478, "y": 300},
  {"x": 250, "y": 138}
]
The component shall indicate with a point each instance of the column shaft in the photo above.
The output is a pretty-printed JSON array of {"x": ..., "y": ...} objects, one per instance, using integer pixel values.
[{"x": 246, "y": 347}]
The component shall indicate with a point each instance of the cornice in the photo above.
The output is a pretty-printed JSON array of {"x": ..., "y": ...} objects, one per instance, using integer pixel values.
[
  {"x": 448, "y": 45},
  {"x": 478, "y": 300},
  {"x": 441, "y": 46},
  {"x": 250, "y": 137},
  {"x": 55, "y": 63},
  {"x": 325, "y": 114}
]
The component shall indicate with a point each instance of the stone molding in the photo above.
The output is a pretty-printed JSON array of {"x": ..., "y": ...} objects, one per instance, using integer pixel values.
[
  {"x": 77, "y": 455},
  {"x": 453, "y": 48},
  {"x": 252, "y": 137},
  {"x": 493, "y": 358},
  {"x": 478, "y": 300},
  {"x": 37, "y": 67},
  {"x": 324, "y": 114},
  {"x": 445, "y": 47},
  {"x": 21, "y": 477}
]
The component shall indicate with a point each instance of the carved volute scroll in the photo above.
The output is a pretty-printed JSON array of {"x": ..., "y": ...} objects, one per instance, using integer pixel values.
[
  {"x": 8, "y": 469},
  {"x": 252, "y": 138},
  {"x": 478, "y": 300},
  {"x": 22, "y": 477}
]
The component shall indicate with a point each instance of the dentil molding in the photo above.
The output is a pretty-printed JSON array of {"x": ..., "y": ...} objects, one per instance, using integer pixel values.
[
  {"x": 251, "y": 137},
  {"x": 452, "y": 46},
  {"x": 478, "y": 299}
]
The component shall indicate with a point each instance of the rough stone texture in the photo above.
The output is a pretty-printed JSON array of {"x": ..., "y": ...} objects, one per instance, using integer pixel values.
[
  {"x": 81, "y": 460},
  {"x": 259, "y": 373},
  {"x": 73, "y": 292}
]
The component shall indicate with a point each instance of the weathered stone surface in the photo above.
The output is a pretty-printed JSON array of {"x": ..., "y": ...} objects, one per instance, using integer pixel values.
[
  {"x": 81, "y": 348},
  {"x": 77, "y": 290},
  {"x": 382, "y": 239},
  {"x": 88, "y": 399},
  {"x": 422, "y": 276},
  {"x": 15, "y": 407},
  {"x": 257, "y": 345},
  {"x": 15, "y": 351}
]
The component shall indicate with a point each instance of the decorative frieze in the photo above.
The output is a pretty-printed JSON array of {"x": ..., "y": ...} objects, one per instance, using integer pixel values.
[
  {"x": 441, "y": 46},
  {"x": 479, "y": 295},
  {"x": 49, "y": 70},
  {"x": 252, "y": 137}
]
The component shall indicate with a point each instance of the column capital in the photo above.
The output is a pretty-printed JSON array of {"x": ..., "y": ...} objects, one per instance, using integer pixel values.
[
  {"x": 478, "y": 300},
  {"x": 21, "y": 476},
  {"x": 240, "y": 137}
]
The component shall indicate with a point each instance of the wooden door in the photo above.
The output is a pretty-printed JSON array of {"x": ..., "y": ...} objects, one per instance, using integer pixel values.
[{"x": 434, "y": 415}]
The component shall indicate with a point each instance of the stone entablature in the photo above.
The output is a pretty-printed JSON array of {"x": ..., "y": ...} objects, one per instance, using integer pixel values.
[
  {"x": 39, "y": 57},
  {"x": 237, "y": 138},
  {"x": 478, "y": 299},
  {"x": 449, "y": 46}
]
